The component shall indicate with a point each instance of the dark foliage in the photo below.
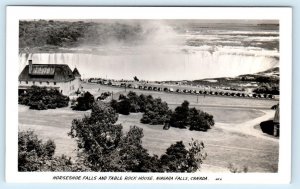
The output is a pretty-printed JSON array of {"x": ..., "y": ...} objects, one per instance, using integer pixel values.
[
  {"x": 34, "y": 155},
  {"x": 199, "y": 120},
  {"x": 183, "y": 117},
  {"x": 157, "y": 113},
  {"x": 178, "y": 159},
  {"x": 274, "y": 107},
  {"x": 124, "y": 107},
  {"x": 42, "y": 98},
  {"x": 32, "y": 152},
  {"x": 114, "y": 104},
  {"x": 84, "y": 102},
  {"x": 267, "y": 127},
  {"x": 179, "y": 118},
  {"x": 266, "y": 79},
  {"x": 103, "y": 96},
  {"x": 122, "y": 97},
  {"x": 134, "y": 101},
  {"x": 105, "y": 148},
  {"x": 267, "y": 88},
  {"x": 51, "y": 35}
]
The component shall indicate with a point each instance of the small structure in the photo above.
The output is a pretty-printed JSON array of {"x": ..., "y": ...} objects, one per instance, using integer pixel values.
[
  {"x": 276, "y": 123},
  {"x": 58, "y": 76}
]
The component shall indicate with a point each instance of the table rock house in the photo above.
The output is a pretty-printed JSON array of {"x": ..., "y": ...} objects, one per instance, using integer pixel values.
[{"x": 58, "y": 76}]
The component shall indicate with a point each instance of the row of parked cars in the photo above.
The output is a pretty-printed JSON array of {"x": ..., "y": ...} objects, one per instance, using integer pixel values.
[{"x": 190, "y": 91}]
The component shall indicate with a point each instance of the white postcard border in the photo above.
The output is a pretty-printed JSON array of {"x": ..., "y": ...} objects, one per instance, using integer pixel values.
[{"x": 16, "y": 13}]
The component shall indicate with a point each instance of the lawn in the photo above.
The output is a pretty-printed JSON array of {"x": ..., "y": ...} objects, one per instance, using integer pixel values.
[
  {"x": 222, "y": 146},
  {"x": 232, "y": 140}
]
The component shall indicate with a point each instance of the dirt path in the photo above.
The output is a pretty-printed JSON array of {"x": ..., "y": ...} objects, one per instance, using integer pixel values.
[{"x": 248, "y": 126}]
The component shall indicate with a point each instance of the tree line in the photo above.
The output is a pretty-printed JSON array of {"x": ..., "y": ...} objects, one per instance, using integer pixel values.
[
  {"x": 53, "y": 34},
  {"x": 156, "y": 112}
]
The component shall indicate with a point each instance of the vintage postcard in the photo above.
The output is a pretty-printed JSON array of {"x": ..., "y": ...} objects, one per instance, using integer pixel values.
[{"x": 148, "y": 95}]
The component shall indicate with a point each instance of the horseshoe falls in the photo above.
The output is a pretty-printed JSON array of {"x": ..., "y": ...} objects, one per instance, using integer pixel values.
[{"x": 198, "y": 53}]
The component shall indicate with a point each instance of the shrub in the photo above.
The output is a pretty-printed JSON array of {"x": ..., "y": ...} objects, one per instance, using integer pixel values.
[
  {"x": 42, "y": 98},
  {"x": 199, "y": 120},
  {"x": 266, "y": 88},
  {"x": 234, "y": 169},
  {"x": 145, "y": 102},
  {"x": 183, "y": 117},
  {"x": 154, "y": 109},
  {"x": 157, "y": 113},
  {"x": 32, "y": 152},
  {"x": 122, "y": 97},
  {"x": 178, "y": 159},
  {"x": 179, "y": 118},
  {"x": 175, "y": 158},
  {"x": 98, "y": 138},
  {"x": 133, "y": 156},
  {"x": 114, "y": 104},
  {"x": 104, "y": 95},
  {"x": 84, "y": 102},
  {"x": 124, "y": 107},
  {"x": 34, "y": 155}
]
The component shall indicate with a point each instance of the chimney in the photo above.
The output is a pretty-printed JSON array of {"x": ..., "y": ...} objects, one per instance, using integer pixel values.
[{"x": 30, "y": 66}]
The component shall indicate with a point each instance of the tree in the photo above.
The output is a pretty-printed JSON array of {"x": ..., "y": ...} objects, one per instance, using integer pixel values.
[
  {"x": 103, "y": 96},
  {"x": 199, "y": 120},
  {"x": 32, "y": 152},
  {"x": 84, "y": 102},
  {"x": 194, "y": 119},
  {"x": 133, "y": 156},
  {"x": 42, "y": 98},
  {"x": 145, "y": 102},
  {"x": 156, "y": 113},
  {"x": 104, "y": 146},
  {"x": 124, "y": 107},
  {"x": 34, "y": 155},
  {"x": 97, "y": 137},
  {"x": 133, "y": 99},
  {"x": 180, "y": 116},
  {"x": 114, "y": 104},
  {"x": 175, "y": 158},
  {"x": 267, "y": 88},
  {"x": 179, "y": 159}
]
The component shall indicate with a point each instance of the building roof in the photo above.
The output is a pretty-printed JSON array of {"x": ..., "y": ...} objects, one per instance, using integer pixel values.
[
  {"x": 47, "y": 72},
  {"x": 76, "y": 73}
]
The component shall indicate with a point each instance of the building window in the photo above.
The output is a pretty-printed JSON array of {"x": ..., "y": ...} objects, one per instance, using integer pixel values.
[
  {"x": 54, "y": 83},
  {"x": 26, "y": 82}
]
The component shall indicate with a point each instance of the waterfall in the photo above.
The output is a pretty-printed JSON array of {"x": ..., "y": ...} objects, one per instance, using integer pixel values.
[{"x": 158, "y": 66}]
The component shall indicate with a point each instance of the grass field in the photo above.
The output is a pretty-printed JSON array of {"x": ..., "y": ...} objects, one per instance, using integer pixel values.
[{"x": 233, "y": 139}]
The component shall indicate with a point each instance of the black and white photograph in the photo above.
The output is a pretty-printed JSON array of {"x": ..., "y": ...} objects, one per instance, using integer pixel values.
[{"x": 119, "y": 95}]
